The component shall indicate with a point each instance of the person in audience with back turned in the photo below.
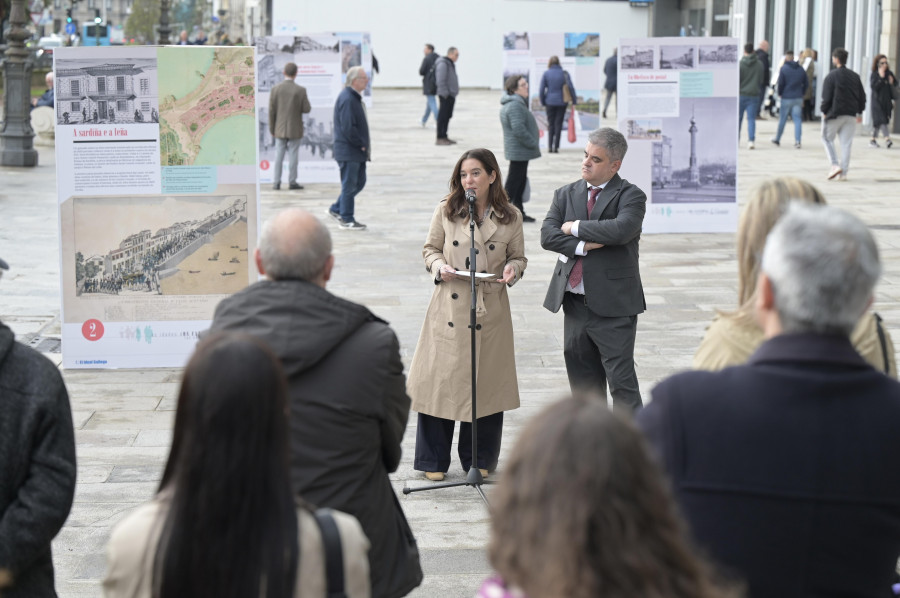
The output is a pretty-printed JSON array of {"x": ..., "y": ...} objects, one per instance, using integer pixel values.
[
  {"x": 583, "y": 511},
  {"x": 225, "y": 521},
  {"x": 37, "y": 465},
  {"x": 732, "y": 337},
  {"x": 346, "y": 387},
  {"x": 783, "y": 465}
]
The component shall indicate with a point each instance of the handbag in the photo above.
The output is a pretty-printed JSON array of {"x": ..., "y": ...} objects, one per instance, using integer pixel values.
[
  {"x": 571, "y": 136},
  {"x": 895, "y": 93},
  {"x": 334, "y": 560},
  {"x": 526, "y": 193},
  {"x": 567, "y": 93}
]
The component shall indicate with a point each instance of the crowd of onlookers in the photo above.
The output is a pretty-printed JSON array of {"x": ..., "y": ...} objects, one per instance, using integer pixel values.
[{"x": 764, "y": 472}]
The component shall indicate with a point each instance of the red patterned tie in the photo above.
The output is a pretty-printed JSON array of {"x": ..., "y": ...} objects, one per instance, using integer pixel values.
[{"x": 577, "y": 272}]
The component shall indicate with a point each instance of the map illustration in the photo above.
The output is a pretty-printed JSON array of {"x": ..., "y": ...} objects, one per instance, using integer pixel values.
[{"x": 206, "y": 101}]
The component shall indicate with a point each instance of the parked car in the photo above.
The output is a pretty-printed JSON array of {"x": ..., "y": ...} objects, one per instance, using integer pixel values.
[{"x": 43, "y": 58}]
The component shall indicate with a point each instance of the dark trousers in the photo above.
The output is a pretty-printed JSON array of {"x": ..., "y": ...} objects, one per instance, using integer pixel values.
[
  {"x": 555, "y": 116},
  {"x": 435, "y": 435},
  {"x": 600, "y": 351},
  {"x": 515, "y": 182},
  {"x": 445, "y": 111}
]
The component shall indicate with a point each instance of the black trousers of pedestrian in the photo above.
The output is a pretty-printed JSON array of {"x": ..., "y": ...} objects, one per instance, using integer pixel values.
[
  {"x": 445, "y": 111},
  {"x": 515, "y": 182},
  {"x": 434, "y": 436},
  {"x": 555, "y": 115}
]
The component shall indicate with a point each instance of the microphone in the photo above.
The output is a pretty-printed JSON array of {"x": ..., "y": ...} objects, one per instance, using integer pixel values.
[{"x": 470, "y": 196}]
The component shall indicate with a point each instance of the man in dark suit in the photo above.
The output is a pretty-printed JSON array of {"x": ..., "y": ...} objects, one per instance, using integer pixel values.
[
  {"x": 288, "y": 103},
  {"x": 594, "y": 225},
  {"x": 784, "y": 466}
]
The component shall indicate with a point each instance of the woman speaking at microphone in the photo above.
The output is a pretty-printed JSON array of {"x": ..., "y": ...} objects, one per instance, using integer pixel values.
[{"x": 440, "y": 377}]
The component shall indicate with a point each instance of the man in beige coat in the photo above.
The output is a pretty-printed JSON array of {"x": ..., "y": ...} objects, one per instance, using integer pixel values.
[{"x": 287, "y": 105}]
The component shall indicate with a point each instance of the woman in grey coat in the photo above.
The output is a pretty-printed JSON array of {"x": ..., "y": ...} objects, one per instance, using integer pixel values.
[{"x": 521, "y": 140}]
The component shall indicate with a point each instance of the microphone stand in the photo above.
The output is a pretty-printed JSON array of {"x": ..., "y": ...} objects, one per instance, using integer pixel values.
[{"x": 474, "y": 477}]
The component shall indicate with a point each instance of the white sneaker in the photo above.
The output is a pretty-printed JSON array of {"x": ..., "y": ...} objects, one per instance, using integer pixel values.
[{"x": 750, "y": 145}]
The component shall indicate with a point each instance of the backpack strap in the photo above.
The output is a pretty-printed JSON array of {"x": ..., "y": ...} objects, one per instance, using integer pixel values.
[
  {"x": 883, "y": 342},
  {"x": 334, "y": 559}
]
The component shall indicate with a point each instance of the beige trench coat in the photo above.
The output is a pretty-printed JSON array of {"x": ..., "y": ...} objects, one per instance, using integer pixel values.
[{"x": 439, "y": 381}]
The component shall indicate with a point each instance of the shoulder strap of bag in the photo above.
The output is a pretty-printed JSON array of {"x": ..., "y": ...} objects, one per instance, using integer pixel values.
[
  {"x": 883, "y": 342},
  {"x": 334, "y": 559}
]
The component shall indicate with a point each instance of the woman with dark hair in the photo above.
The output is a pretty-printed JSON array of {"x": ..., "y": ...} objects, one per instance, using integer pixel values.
[
  {"x": 225, "y": 522},
  {"x": 521, "y": 139},
  {"x": 882, "y": 81},
  {"x": 584, "y": 512},
  {"x": 553, "y": 99},
  {"x": 440, "y": 381}
]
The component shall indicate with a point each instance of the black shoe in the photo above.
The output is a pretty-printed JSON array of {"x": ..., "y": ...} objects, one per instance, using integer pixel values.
[
  {"x": 527, "y": 218},
  {"x": 276, "y": 186},
  {"x": 604, "y": 115},
  {"x": 351, "y": 225},
  {"x": 295, "y": 186},
  {"x": 334, "y": 215}
]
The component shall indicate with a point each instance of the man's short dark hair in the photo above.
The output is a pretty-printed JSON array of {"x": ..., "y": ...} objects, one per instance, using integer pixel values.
[
  {"x": 290, "y": 70},
  {"x": 430, "y": 47},
  {"x": 788, "y": 52},
  {"x": 748, "y": 48},
  {"x": 841, "y": 55}
]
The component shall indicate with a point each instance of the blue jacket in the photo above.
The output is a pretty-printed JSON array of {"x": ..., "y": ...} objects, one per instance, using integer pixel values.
[
  {"x": 611, "y": 70},
  {"x": 351, "y": 129},
  {"x": 792, "y": 81},
  {"x": 551, "y": 86}
]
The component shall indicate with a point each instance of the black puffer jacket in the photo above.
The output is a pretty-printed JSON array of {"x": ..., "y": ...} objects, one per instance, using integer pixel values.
[
  {"x": 37, "y": 466},
  {"x": 842, "y": 94}
]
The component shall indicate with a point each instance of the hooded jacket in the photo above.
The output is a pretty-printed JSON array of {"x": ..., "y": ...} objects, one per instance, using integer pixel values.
[
  {"x": 349, "y": 410},
  {"x": 751, "y": 75},
  {"x": 792, "y": 81},
  {"x": 37, "y": 466},
  {"x": 521, "y": 139}
]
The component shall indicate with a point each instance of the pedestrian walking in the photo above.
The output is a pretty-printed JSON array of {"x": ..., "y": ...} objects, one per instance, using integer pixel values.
[
  {"x": 791, "y": 86},
  {"x": 555, "y": 84},
  {"x": 447, "y": 90},
  {"x": 521, "y": 139},
  {"x": 883, "y": 84},
  {"x": 843, "y": 99},
  {"x": 288, "y": 102},
  {"x": 429, "y": 83},
  {"x": 351, "y": 147},
  {"x": 751, "y": 73},
  {"x": 762, "y": 53},
  {"x": 610, "y": 69}
]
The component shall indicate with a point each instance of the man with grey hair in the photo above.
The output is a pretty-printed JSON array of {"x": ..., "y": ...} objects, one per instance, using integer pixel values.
[
  {"x": 779, "y": 464},
  {"x": 351, "y": 147},
  {"x": 346, "y": 389},
  {"x": 594, "y": 224}
]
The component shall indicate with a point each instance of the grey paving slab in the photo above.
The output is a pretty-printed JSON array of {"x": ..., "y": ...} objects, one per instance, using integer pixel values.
[{"x": 123, "y": 418}]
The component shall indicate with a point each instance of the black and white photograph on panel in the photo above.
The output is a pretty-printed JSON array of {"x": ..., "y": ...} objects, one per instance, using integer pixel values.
[
  {"x": 720, "y": 55},
  {"x": 696, "y": 153},
  {"x": 106, "y": 91},
  {"x": 637, "y": 57},
  {"x": 677, "y": 57}
]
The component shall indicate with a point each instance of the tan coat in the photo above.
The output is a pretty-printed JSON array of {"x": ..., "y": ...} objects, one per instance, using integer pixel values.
[
  {"x": 287, "y": 105},
  {"x": 731, "y": 340},
  {"x": 439, "y": 381},
  {"x": 132, "y": 547}
]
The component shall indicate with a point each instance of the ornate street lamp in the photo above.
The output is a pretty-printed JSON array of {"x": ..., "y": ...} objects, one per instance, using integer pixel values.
[
  {"x": 164, "y": 30},
  {"x": 16, "y": 135}
]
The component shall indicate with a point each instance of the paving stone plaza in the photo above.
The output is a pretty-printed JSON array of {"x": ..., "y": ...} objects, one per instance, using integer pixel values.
[{"x": 123, "y": 418}]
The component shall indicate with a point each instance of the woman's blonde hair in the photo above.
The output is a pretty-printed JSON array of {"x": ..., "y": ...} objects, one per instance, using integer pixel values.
[{"x": 767, "y": 204}]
